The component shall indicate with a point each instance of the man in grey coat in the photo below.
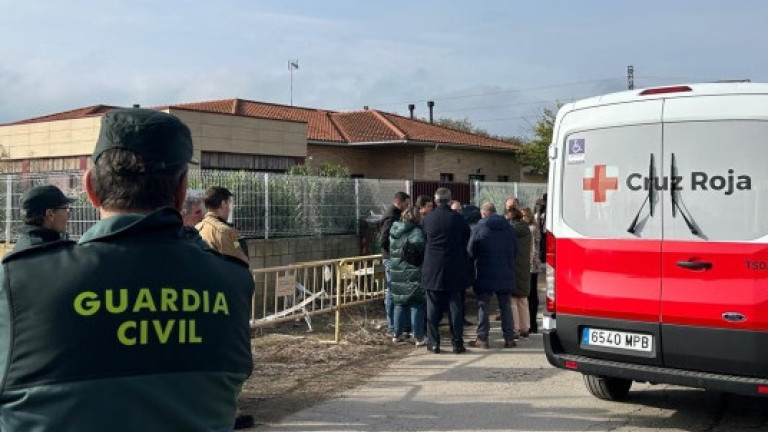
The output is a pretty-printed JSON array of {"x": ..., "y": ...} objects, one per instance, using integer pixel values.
[{"x": 445, "y": 272}]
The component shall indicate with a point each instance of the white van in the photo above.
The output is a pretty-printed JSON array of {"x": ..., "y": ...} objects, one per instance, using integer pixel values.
[{"x": 657, "y": 242}]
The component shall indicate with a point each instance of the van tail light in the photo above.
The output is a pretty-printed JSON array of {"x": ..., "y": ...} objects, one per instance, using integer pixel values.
[
  {"x": 550, "y": 272},
  {"x": 662, "y": 90}
]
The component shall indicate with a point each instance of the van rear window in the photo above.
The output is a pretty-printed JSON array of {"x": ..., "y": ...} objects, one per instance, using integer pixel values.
[
  {"x": 703, "y": 180},
  {"x": 596, "y": 199}
]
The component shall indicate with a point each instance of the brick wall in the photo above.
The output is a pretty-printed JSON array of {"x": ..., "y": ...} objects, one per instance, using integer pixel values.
[{"x": 418, "y": 162}]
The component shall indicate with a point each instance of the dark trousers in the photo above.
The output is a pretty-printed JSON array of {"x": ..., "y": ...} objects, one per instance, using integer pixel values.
[
  {"x": 437, "y": 303},
  {"x": 533, "y": 302},
  {"x": 483, "y": 312}
]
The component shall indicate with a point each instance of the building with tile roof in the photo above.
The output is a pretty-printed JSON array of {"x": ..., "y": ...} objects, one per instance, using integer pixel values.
[{"x": 244, "y": 134}]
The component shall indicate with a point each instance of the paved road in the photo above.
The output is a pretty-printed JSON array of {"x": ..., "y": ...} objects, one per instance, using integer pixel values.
[{"x": 515, "y": 390}]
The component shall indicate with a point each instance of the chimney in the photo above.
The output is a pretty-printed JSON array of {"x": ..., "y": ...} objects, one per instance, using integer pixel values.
[
  {"x": 411, "y": 107},
  {"x": 365, "y": 107},
  {"x": 431, "y": 105}
]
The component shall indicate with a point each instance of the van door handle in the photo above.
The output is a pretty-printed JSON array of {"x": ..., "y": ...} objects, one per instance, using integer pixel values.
[{"x": 695, "y": 265}]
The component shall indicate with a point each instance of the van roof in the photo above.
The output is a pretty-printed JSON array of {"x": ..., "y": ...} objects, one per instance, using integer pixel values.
[{"x": 700, "y": 89}]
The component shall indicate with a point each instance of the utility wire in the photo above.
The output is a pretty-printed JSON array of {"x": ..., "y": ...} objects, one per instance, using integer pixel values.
[{"x": 493, "y": 93}]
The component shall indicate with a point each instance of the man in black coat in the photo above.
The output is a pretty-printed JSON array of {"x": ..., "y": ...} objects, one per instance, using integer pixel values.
[
  {"x": 445, "y": 272},
  {"x": 492, "y": 251},
  {"x": 400, "y": 202}
]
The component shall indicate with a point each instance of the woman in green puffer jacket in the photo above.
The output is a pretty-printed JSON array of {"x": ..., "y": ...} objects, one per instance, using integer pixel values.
[{"x": 406, "y": 251}]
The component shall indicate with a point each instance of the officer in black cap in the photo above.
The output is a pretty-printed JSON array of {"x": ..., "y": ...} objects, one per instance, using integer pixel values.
[
  {"x": 139, "y": 326},
  {"x": 45, "y": 215}
]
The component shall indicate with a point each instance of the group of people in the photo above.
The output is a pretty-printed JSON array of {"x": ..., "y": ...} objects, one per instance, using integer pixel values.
[
  {"x": 143, "y": 323},
  {"x": 433, "y": 250}
]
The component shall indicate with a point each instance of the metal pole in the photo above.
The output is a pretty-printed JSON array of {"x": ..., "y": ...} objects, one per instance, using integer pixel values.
[
  {"x": 8, "y": 206},
  {"x": 357, "y": 206},
  {"x": 408, "y": 187},
  {"x": 337, "y": 333},
  {"x": 266, "y": 206}
]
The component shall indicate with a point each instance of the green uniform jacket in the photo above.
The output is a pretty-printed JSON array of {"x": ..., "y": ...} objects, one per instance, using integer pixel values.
[
  {"x": 33, "y": 235},
  {"x": 138, "y": 327},
  {"x": 406, "y": 278},
  {"x": 522, "y": 259}
]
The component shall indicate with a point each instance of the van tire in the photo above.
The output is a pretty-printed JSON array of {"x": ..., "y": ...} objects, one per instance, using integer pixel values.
[{"x": 607, "y": 388}]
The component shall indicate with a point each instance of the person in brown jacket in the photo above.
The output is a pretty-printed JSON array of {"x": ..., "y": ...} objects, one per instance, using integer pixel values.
[{"x": 214, "y": 228}]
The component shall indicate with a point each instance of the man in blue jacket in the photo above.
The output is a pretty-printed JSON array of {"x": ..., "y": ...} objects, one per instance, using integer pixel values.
[
  {"x": 139, "y": 326},
  {"x": 492, "y": 251}
]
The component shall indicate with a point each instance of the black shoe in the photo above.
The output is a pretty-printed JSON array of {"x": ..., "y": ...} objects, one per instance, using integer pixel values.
[
  {"x": 468, "y": 322},
  {"x": 459, "y": 349},
  {"x": 243, "y": 421},
  {"x": 433, "y": 349}
]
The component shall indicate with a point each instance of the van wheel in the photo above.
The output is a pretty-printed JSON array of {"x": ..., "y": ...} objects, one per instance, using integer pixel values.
[{"x": 607, "y": 388}]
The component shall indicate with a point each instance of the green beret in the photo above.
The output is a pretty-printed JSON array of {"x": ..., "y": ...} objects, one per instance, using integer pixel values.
[{"x": 161, "y": 139}]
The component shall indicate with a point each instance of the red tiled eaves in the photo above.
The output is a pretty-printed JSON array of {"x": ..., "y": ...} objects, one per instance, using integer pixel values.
[
  {"x": 67, "y": 115},
  {"x": 417, "y": 130}
]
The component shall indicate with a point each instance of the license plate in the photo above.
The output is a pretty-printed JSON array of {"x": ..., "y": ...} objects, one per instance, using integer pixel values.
[{"x": 617, "y": 339}]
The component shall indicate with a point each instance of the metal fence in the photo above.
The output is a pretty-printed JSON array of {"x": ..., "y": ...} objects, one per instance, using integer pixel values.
[
  {"x": 302, "y": 290},
  {"x": 498, "y": 193},
  {"x": 266, "y": 205}
]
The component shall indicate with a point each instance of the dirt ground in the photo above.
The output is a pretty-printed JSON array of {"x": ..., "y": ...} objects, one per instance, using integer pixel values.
[{"x": 294, "y": 369}]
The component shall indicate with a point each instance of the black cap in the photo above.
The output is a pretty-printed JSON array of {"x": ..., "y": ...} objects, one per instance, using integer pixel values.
[
  {"x": 161, "y": 139},
  {"x": 41, "y": 198}
]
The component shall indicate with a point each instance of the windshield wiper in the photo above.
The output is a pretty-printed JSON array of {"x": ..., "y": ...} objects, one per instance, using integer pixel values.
[
  {"x": 648, "y": 198},
  {"x": 673, "y": 195}
]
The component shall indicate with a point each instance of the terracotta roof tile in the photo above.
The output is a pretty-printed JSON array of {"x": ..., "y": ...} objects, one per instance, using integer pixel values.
[
  {"x": 366, "y": 126},
  {"x": 417, "y": 130},
  {"x": 319, "y": 125}
]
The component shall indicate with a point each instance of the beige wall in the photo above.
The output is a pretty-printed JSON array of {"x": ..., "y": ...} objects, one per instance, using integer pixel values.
[
  {"x": 265, "y": 253},
  {"x": 236, "y": 134},
  {"x": 50, "y": 139},
  {"x": 210, "y": 132}
]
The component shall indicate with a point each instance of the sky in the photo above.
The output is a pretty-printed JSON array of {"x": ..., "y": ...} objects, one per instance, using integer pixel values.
[{"x": 497, "y": 63}]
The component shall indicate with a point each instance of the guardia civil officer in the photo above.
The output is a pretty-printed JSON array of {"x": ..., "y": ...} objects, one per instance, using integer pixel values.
[
  {"x": 138, "y": 327},
  {"x": 45, "y": 213}
]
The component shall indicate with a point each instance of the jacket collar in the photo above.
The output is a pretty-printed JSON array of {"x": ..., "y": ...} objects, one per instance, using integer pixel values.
[
  {"x": 213, "y": 215},
  {"x": 38, "y": 234},
  {"x": 164, "y": 218}
]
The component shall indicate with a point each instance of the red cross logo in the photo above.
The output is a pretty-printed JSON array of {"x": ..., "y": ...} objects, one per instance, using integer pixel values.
[{"x": 600, "y": 184}]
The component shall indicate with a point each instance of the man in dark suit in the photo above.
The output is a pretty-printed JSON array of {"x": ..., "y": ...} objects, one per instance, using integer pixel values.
[{"x": 445, "y": 272}]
